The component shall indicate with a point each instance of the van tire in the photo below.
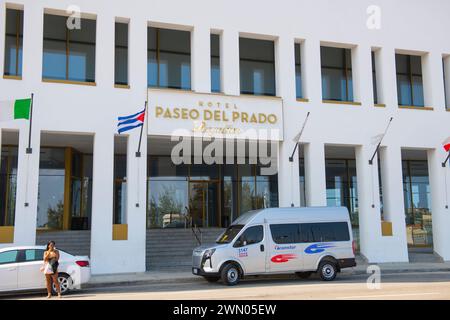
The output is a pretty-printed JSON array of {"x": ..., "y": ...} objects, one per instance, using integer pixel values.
[
  {"x": 304, "y": 275},
  {"x": 212, "y": 279},
  {"x": 230, "y": 274},
  {"x": 327, "y": 270}
]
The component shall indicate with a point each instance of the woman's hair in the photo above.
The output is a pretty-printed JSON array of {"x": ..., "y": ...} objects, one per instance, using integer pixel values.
[{"x": 48, "y": 244}]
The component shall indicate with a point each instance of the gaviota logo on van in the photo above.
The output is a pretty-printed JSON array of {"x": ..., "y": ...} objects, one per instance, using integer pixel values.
[{"x": 318, "y": 248}]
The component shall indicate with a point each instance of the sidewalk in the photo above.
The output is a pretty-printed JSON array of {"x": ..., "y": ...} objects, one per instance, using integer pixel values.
[{"x": 185, "y": 275}]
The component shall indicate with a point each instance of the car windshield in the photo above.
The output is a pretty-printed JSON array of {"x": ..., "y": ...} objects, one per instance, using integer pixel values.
[{"x": 229, "y": 234}]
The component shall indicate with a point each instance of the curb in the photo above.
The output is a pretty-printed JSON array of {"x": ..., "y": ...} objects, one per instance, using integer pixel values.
[{"x": 196, "y": 278}]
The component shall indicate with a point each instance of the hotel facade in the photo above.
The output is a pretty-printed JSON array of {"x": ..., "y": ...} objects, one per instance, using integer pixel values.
[{"x": 252, "y": 69}]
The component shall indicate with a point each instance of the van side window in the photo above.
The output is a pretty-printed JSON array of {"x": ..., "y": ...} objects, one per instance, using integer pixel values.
[
  {"x": 324, "y": 232},
  {"x": 285, "y": 233},
  {"x": 250, "y": 236}
]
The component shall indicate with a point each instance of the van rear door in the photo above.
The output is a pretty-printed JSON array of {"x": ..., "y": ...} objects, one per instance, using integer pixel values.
[{"x": 285, "y": 250}]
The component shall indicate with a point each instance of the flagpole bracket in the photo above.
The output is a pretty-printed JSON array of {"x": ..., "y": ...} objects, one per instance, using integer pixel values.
[
  {"x": 138, "y": 154},
  {"x": 29, "y": 150},
  {"x": 371, "y": 162}
]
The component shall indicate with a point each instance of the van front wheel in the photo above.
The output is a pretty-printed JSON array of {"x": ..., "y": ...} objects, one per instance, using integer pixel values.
[
  {"x": 230, "y": 275},
  {"x": 327, "y": 270}
]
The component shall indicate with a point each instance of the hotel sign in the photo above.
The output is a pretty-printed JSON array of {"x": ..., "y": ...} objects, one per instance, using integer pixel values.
[{"x": 213, "y": 115}]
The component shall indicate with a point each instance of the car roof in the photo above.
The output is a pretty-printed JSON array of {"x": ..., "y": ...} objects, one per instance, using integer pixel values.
[
  {"x": 21, "y": 248},
  {"x": 305, "y": 214}
]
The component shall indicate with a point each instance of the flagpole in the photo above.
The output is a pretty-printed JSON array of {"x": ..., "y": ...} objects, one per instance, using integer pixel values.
[
  {"x": 381, "y": 140},
  {"x": 29, "y": 149},
  {"x": 444, "y": 164},
  {"x": 291, "y": 158},
  {"x": 138, "y": 153}
]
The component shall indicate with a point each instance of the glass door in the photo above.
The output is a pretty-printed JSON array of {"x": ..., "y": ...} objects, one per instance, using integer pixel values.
[{"x": 204, "y": 204}]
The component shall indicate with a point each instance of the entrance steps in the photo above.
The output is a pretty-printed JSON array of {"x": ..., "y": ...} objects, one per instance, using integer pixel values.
[
  {"x": 74, "y": 242},
  {"x": 166, "y": 248},
  {"x": 423, "y": 255}
]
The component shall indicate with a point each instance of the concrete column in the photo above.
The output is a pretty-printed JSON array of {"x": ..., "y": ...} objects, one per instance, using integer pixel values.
[
  {"x": 288, "y": 176},
  {"x": 312, "y": 71},
  {"x": 110, "y": 256},
  {"x": 229, "y": 64},
  {"x": 27, "y": 187},
  {"x": 285, "y": 68},
  {"x": 33, "y": 30},
  {"x": 393, "y": 202},
  {"x": 201, "y": 59},
  {"x": 387, "y": 79},
  {"x": 440, "y": 196},
  {"x": 137, "y": 202},
  {"x": 315, "y": 178},
  {"x": 288, "y": 172},
  {"x": 102, "y": 254},
  {"x": 433, "y": 84},
  {"x": 137, "y": 59},
  {"x": 368, "y": 205},
  {"x": 104, "y": 50},
  {"x": 362, "y": 75}
]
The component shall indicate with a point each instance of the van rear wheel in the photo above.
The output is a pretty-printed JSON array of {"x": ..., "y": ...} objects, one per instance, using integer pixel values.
[
  {"x": 230, "y": 275},
  {"x": 327, "y": 270}
]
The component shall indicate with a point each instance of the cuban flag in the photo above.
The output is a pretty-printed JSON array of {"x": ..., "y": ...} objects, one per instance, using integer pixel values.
[
  {"x": 128, "y": 123},
  {"x": 446, "y": 144}
]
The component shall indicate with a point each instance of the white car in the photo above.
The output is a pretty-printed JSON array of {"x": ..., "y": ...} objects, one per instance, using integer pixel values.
[{"x": 20, "y": 270}]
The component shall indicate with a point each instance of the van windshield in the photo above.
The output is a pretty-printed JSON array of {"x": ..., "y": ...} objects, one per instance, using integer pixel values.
[{"x": 229, "y": 234}]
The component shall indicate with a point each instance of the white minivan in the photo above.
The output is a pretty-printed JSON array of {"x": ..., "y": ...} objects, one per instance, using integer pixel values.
[{"x": 279, "y": 241}]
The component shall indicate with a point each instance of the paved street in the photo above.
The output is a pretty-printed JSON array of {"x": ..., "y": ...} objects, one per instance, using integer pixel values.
[{"x": 420, "y": 285}]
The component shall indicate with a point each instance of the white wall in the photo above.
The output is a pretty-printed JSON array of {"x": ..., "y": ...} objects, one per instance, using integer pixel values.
[{"x": 416, "y": 25}]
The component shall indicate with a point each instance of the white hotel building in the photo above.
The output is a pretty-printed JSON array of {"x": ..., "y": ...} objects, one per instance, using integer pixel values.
[{"x": 351, "y": 65}]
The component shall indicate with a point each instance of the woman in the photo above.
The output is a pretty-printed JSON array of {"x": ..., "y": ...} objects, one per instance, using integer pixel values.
[{"x": 51, "y": 258}]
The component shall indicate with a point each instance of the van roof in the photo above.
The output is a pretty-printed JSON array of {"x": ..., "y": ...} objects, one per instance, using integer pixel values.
[{"x": 304, "y": 214}]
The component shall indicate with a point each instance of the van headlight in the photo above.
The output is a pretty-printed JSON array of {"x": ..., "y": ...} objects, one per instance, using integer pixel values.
[{"x": 208, "y": 253}]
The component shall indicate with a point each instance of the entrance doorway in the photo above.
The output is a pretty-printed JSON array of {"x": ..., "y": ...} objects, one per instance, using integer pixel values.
[{"x": 204, "y": 200}]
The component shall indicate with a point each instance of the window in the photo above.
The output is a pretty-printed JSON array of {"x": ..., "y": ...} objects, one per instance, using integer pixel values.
[
  {"x": 215, "y": 63},
  {"x": 68, "y": 54},
  {"x": 52, "y": 170},
  {"x": 120, "y": 179},
  {"x": 33, "y": 255},
  {"x": 8, "y": 257},
  {"x": 8, "y": 179},
  {"x": 257, "y": 67},
  {"x": 250, "y": 236},
  {"x": 337, "y": 83},
  {"x": 445, "y": 62},
  {"x": 409, "y": 80},
  {"x": 324, "y": 232},
  {"x": 230, "y": 234},
  {"x": 374, "y": 79},
  {"x": 169, "y": 58},
  {"x": 285, "y": 233},
  {"x": 298, "y": 71},
  {"x": 13, "y": 43},
  {"x": 121, "y": 54}
]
